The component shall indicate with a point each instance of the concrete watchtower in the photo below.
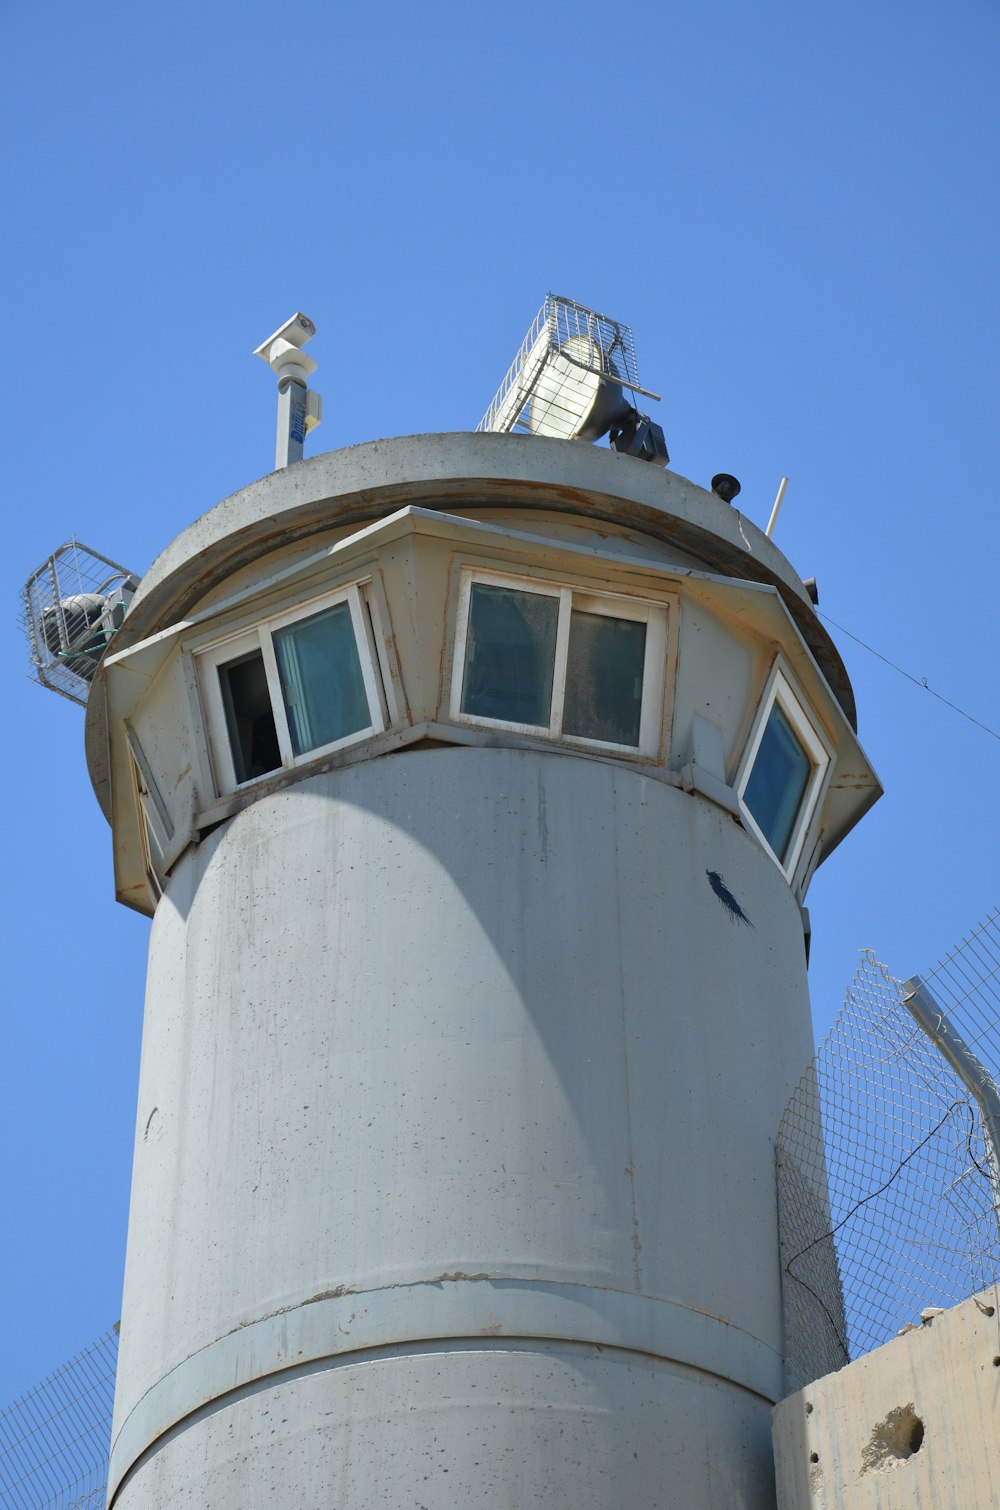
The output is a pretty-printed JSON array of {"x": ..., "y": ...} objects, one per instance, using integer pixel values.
[{"x": 473, "y": 784}]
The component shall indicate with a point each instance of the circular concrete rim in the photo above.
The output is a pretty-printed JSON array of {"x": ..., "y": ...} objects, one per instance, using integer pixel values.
[
  {"x": 463, "y": 469},
  {"x": 337, "y": 1328}
]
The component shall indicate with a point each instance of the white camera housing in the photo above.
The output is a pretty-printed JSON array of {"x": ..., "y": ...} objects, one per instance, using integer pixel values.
[{"x": 294, "y": 333}]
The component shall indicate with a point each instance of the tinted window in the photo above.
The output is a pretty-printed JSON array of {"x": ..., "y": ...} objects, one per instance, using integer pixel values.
[
  {"x": 510, "y": 654},
  {"x": 778, "y": 781},
  {"x": 321, "y": 681},
  {"x": 604, "y": 678}
]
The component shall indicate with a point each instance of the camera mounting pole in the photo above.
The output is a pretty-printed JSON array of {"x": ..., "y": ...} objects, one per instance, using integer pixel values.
[{"x": 299, "y": 409}]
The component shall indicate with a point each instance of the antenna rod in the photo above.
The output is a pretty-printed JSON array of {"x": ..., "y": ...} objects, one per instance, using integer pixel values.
[
  {"x": 777, "y": 508},
  {"x": 299, "y": 409}
]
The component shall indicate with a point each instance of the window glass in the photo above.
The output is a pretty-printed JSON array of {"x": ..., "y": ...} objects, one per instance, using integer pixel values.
[
  {"x": 778, "y": 780},
  {"x": 321, "y": 681},
  {"x": 510, "y": 655},
  {"x": 151, "y": 828},
  {"x": 603, "y": 698},
  {"x": 247, "y": 703},
  {"x": 152, "y": 832}
]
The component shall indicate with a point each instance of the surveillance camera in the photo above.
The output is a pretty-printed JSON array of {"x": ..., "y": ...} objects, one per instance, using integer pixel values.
[{"x": 296, "y": 331}]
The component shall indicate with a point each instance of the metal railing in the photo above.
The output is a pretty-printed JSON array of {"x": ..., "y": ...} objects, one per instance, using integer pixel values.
[
  {"x": 887, "y": 1174},
  {"x": 54, "y": 1441}
]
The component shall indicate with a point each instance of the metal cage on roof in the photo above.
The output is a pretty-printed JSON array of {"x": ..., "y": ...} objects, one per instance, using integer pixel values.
[
  {"x": 72, "y": 606},
  {"x": 570, "y": 352}
]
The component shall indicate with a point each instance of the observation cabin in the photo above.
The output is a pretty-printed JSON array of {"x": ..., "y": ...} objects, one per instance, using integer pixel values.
[
  {"x": 474, "y": 783},
  {"x": 472, "y": 591}
]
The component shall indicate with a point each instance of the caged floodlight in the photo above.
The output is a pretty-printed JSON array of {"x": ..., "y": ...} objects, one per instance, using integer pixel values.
[
  {"x": 72, "y": 607},
  {"x": 570, "y": 380}
]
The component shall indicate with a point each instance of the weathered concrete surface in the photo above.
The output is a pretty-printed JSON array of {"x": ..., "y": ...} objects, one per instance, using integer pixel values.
[
  {"x": 454, "y": 1045},
  {"x": 913, "y": 1426}
]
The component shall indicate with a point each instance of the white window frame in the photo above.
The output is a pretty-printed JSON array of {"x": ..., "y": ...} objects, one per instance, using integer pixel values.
[
  {"x": 258, "y": 637},
  {"x": 780, "y": 689},
  {"x": 639, "y": 610}
]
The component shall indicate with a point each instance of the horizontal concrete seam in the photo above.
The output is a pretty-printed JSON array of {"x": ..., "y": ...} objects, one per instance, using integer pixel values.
[
  {"x": 528, "y": 1282},
  {"x": 529, "y": 1288},
  {"x": 468, "y": 1343}
]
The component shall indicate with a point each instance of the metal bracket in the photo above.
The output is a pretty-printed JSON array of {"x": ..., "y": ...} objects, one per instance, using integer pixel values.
[{"x": 924, "y": 1009}]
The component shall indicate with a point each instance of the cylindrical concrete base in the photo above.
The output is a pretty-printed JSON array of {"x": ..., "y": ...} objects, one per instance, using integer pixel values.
[{"x": 454, "y": 1167}]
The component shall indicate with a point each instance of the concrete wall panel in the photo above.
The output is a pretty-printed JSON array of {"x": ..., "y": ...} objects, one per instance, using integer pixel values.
[{"x": 911, "y": 1426}]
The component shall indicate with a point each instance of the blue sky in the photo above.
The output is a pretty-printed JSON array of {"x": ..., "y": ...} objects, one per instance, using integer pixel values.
[{"x": 794, "y": 206}]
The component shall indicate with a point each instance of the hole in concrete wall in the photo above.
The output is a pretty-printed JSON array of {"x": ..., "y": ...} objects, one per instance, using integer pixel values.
[
  {"x": 815, "y": 1478},
  {"x": 893, "y": 1440},
  {"x": 809, "y": 1409},
  {"x": 996, "y": 1363}
]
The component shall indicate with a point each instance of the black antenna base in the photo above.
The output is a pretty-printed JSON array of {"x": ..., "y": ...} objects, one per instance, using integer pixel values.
[{"x": 637, "y": 435}]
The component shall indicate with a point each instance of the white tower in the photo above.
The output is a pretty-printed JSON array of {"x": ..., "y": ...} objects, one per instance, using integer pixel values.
[{"x": 473, "y": 783}]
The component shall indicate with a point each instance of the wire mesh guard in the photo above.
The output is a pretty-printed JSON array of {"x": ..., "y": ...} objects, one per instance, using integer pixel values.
[
  {"x": 72, "y": 606},
  {"x": 887, "y": 1201},
  {"x": 554, "y": 377},
  {"x": 54, "y": 1441}
]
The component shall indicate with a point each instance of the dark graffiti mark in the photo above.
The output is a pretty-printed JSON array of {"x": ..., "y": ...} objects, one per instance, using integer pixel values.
[{"x": 727, "y": 899}]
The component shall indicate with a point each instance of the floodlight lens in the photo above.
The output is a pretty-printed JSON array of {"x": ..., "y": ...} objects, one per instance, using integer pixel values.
[{"x": 566, "y": 392}]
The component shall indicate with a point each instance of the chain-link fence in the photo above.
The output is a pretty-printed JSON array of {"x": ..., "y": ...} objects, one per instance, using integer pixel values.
[
  {"x": 887, "y": 1199},
  {"x": 54, "y": 1441}
]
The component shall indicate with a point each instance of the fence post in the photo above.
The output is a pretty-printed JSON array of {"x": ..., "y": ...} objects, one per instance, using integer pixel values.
[{"x": 929, "y": 1016}]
